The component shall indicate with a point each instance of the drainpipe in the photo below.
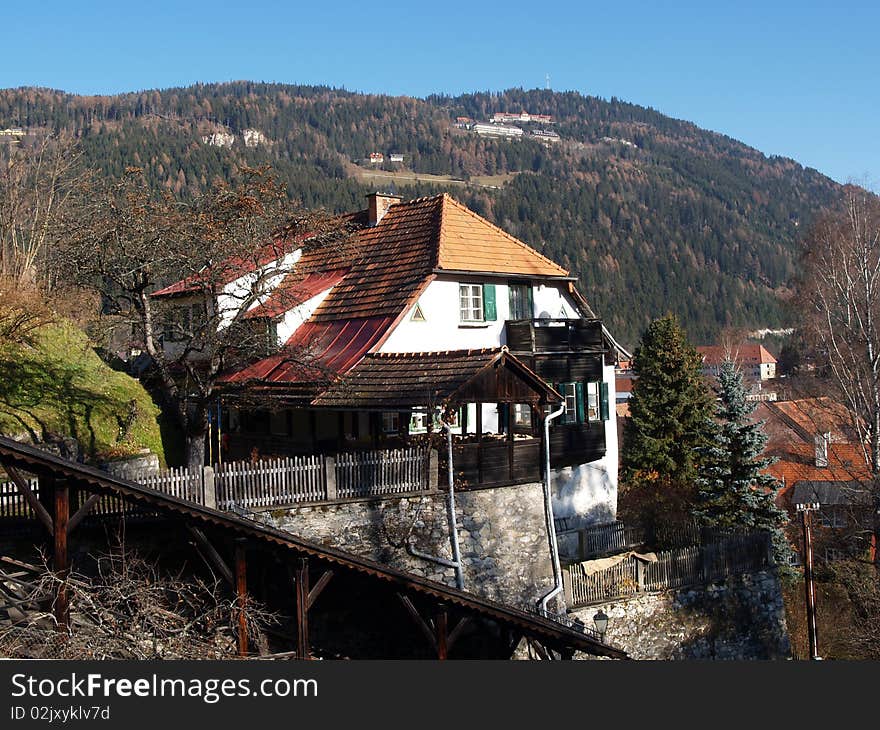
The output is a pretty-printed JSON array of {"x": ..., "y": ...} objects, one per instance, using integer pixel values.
[
  {"x": 450, "y": 511},
  {"x": 548, "y": 511}
]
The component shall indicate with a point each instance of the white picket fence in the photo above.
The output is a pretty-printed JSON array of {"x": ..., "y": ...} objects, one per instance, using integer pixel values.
[
  {"x": 370, "y": 473},
  {"x": 179, "y": 482},
  {"x": 292, "y": 480},
  {"x": 270, "y": 482}
]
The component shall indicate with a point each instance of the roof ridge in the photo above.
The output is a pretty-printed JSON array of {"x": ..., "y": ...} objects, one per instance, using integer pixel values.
[
  {"x": 505, "y": 234},
  {"x": 463, "y": 351}
]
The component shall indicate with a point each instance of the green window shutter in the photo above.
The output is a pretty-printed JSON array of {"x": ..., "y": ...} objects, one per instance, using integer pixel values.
[
  {"x": 490, "y": 311},
  {"x": 579, "y": 398},
  {"x": 603, "y": 400}
]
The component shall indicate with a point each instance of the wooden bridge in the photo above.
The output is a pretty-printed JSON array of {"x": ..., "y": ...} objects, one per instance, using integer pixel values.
[{"x": 69, "y": 492}]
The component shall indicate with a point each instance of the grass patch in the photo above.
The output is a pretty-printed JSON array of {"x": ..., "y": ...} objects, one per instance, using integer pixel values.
[{"x": 60, "y": 386}]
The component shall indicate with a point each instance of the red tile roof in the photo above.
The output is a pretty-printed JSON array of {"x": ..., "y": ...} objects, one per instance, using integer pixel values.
[
  {"x": 387, "y": 266},
  {"x": 746, "y": 354}
]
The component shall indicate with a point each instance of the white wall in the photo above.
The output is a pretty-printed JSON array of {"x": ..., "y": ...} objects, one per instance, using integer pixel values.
[
  {"x": 292, "y": 319},
  {"x": 590, "y": 490},
  {"x": 443, "y": 330},
  {"x": 230, "y": 301}
]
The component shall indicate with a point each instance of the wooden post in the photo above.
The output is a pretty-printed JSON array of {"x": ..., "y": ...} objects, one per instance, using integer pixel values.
[
  {"x": 479, "y": 443},
  {"x": 433, "y": 469},
  {"x": 510, "y": 429},
  {"x": 241, "y": 595},
  {"x": 302, "y": 608},
  {"x": 441, "y": 626},
  {"x": 330, "y": 477},
  {"x": 210, "y": 491},
  {"x": 61, "y": 564}
]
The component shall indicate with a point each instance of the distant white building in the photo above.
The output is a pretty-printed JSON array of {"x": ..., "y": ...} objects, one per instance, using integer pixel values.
[
  {"x": 502, "y": 117},
  {"x": 253, "y": 137},
  {"x": 396, "y": 157},
  {"x": 219, "y": 139},
  {"x": 497, "y": 130}
]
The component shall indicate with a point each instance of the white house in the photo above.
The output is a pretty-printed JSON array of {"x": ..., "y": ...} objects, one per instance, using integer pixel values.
[{"x": 431, "y": 312}]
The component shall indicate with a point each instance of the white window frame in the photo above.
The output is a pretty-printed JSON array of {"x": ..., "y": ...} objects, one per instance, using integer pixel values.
[
  {"x": 470, "y": 303},
  {"x": 569, "y": 392},
  {"x": 418, "y": 422},
  {"x": 593, "y": 405}
]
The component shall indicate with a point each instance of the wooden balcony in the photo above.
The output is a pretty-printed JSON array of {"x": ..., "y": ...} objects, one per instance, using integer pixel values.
[{"x": 555, "y": 335}]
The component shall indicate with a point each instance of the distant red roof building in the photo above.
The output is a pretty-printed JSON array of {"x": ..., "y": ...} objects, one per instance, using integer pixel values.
[{"x": 753, "y": 359}]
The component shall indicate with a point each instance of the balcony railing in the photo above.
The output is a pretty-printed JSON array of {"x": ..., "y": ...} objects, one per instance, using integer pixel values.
[{"x": 555, "y": 335}]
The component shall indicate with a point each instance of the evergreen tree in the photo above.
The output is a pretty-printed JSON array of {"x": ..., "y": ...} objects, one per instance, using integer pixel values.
[
  {"x": 733, "y": 489},
  {"x": 669, "y": 408}
]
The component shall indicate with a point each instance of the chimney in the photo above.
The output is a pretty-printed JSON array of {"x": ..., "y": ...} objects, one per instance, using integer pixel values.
[
  {"x": 378, "y": 205},
  {"x": 822, "y": 440}
]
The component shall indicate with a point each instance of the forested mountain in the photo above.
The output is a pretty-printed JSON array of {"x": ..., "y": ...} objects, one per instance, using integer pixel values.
[{"x": 652, "y": 213}]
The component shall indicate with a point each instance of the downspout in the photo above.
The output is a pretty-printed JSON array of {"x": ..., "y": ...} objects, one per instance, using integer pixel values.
[
  {"x": 548, "y": 512},
  {"x": 450, "y": 511},
  {"x": 453, "y": 524}
]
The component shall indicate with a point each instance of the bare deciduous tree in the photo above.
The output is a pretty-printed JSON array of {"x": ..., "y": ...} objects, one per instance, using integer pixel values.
[
  {"x": 230, "y": 248},
  {"x": 38, "y": 183},
  {"x": 840, "y": 302}
]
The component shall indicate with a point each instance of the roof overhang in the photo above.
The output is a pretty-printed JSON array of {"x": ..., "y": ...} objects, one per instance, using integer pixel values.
[{"x": 390, "y": 381}]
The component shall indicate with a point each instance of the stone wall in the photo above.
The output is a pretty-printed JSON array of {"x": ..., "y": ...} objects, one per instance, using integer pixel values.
[
  {"x": 502, "y": 537},
  {"x": 740, "y": 618}
]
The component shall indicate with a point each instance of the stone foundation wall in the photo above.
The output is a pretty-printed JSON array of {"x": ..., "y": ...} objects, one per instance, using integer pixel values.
[
  {"x": 740, "y": 618},
  {"x": 502, "y": 537}
]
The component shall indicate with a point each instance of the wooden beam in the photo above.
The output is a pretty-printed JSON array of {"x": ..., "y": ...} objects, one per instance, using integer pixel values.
[
  {"x": 425, "y": 627},
  {"x": 241, "y": 594},
  {"x": 319, "y": 586},
  {"x": 456, "y": 632},
  {"x": 32, "y": 499},
  {"x": 212, "y": 555},
  {"x": 82, "y": 512},
  {"x": 61, "y": 565},
  {"x": 302, "y": 608},
  {"x": 441, "y": 624}
]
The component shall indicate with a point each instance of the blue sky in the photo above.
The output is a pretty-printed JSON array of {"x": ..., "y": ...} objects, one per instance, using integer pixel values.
[{"x": 794, "y": 79}]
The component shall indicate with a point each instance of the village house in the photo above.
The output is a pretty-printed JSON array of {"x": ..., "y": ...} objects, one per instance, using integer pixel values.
[
  {"x": 818, "y": 459},
  {"x": 753, "y": 359},
  {"x": 429, "y": 310},
  {"x": 431, "y": 328}
]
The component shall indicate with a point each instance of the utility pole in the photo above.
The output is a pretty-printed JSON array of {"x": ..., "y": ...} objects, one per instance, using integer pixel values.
[{"x": 805, "y": 510}]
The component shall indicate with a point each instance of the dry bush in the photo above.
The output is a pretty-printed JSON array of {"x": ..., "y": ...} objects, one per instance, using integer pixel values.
[{"x": 129, "y": 609}]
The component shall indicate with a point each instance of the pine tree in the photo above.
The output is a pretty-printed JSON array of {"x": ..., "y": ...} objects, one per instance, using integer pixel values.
[
  {"x": 669, "y": 408},
  {"x": 734, "y": 491}
]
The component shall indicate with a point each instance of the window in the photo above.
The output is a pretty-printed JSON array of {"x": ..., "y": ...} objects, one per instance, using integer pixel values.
[
  {"x": 522, "y": 415},
  {"x": 569, "y": 390},
  {"x": 418, "y": 422},
  {"x": 593, "y": 413},
  {"x": 390, "y": 422},
  {"x": 476, "y": 303},
  {"x": 178, "y": 326},
  {"x": 584, "y": 402},
  {"x": 832, "y": 554},
  {"x": 471, "y": 302},
  {"x": 520, "y": 300},
  {"x": 832, "y": 517}
]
